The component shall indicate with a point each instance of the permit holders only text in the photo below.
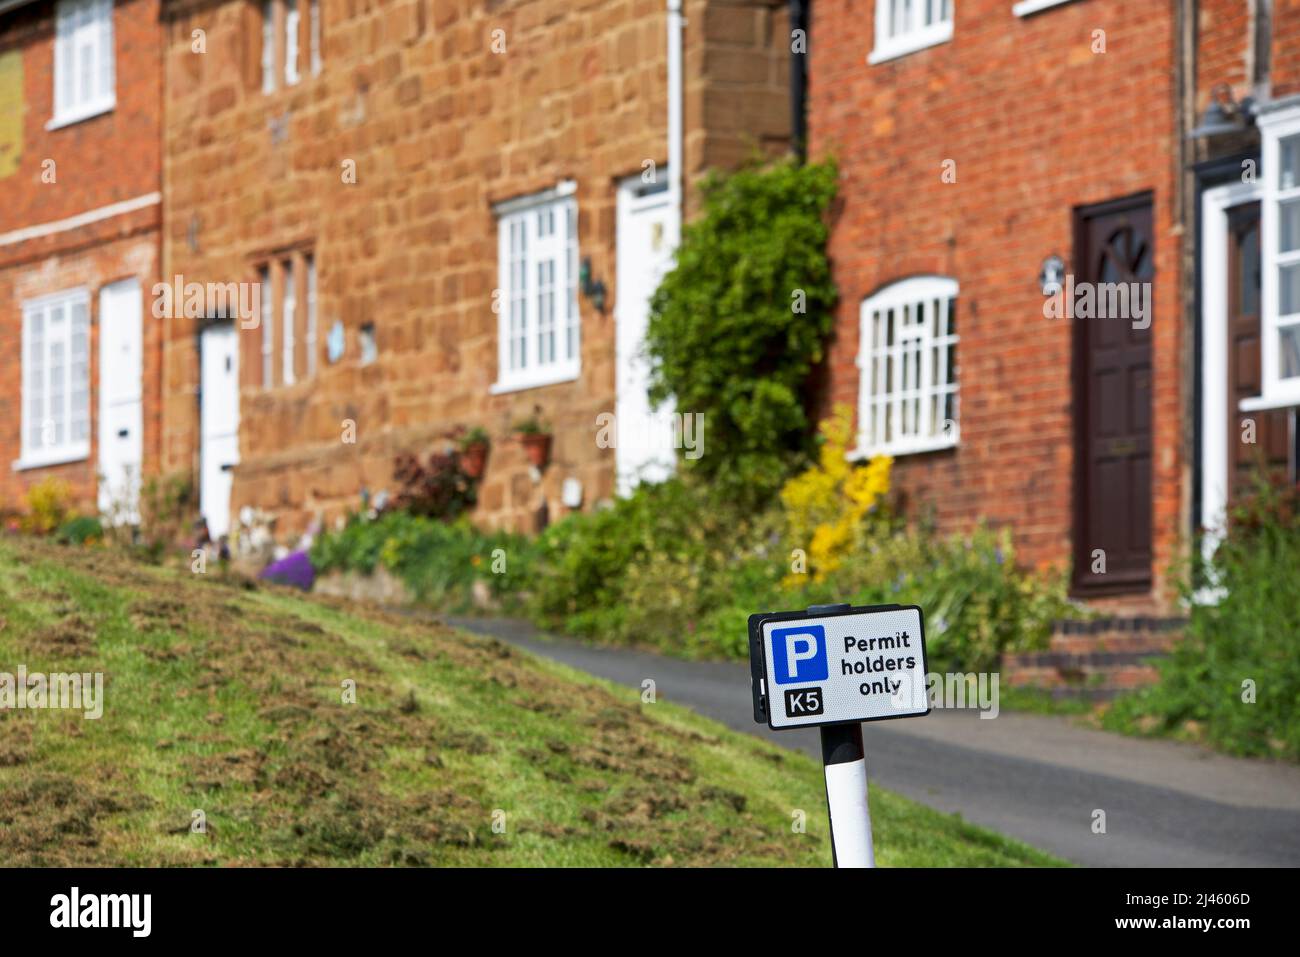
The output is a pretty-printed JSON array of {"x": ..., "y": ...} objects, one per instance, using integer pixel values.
[{"x": 838, "y": 667}]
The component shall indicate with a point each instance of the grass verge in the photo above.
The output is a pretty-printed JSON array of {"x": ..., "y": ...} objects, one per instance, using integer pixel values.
[{"x": 228, "y": 699}]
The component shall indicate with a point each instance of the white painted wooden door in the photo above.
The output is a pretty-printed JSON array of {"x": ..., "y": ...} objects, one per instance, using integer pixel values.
[
  {"x": 121, "y": 393},
  {"x": 645, "y": 435},
  {"x": 218, "y": 424}
]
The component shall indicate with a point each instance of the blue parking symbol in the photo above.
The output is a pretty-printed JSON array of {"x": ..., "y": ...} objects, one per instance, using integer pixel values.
[{"x": 799, "y": 654}]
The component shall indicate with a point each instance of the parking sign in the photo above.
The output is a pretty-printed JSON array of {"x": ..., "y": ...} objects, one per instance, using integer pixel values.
[
  {"x": 799, "y": 654},
  {"x": 838, "y": 667}
]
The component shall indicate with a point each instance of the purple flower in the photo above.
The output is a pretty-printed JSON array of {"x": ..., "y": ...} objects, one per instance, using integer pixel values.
[{"x": 294, "y": 569}]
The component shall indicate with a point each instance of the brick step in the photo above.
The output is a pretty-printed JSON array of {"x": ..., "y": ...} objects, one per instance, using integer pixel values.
[
  {"x": 1092, "y": 693},
  {"x": 1129, "y": 675},
  {"x": 1095, "y": 659},
  {"x": 1153, "y": 644},
  {"x": 1140, "y": 634},
  {"x": 1074, "y": 660},
  {"x": 1135, "y": 625}
]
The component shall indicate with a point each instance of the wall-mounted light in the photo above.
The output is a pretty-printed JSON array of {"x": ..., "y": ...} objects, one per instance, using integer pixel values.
[
  {"x": 593, "y": 290},
  {"x": 1051, "y": 275},
  {"x": 1224, "y": 114}
]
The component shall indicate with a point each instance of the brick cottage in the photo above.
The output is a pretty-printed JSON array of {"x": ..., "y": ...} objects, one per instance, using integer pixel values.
[
  {"x": 80, "y": 201},
  {"x": 1001, "y": 159},
  {"x": 994, "y": 153},
  {"x": 457, "y": 211}
]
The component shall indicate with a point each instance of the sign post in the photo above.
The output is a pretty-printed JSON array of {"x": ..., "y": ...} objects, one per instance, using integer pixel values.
[{"x": 832, "y": 667}]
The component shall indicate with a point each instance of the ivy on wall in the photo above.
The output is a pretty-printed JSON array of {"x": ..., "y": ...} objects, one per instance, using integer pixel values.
[{"x": 739, "y": 323}]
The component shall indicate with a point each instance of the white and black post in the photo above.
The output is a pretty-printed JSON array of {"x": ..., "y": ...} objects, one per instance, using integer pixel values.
[
  {"x": 832, "y": 667},
  {"x": 846, "y": 795}
]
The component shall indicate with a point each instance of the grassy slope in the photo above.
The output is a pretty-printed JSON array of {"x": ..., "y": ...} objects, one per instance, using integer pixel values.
[{"x": 227, "y": 698}]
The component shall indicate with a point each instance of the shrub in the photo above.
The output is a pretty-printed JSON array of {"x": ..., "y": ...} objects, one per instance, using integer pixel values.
[
  {"x": 644, "y": 570},
  {"x": 678, "y": 567},
  {"x": 1248, "y": 635},
  {"x": 49, "y": 505},
  {"x": 737, "y": 326},
  {"x": 978, "y": 601},
  {"x": 532, "y": 426},
  {"x": 583, "y": 559},
  {"x": 830, "y": 507},
  {"x": 439, "y": 488},
  {"x": 82, "y": 530},
  {"x": 438, "y": 561},
  {"x": 168, "y": 511}
]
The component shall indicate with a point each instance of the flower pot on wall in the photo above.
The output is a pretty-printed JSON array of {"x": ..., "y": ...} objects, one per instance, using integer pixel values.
[
  {"x": 537, "y": 446},
  {"x": 473, "y": 459}
]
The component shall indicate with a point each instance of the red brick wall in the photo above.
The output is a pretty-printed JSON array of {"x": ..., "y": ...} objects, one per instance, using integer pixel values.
[
  {"x": 1225, "y": 44},
  {"x": 103, "y": 160},
  {"x": 1038, "y": 125},
  {"x": 1223, "y": 29},
  {"x": 91, "y": 266},
  {"x": 1285, "y": 61}
]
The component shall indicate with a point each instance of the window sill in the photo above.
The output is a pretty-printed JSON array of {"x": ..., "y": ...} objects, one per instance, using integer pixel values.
[
  {"x": 284, "y": 86},
  {"x": 1267, "y": 403},
  {"x": 81, "y": 114},
  {"x": 911, "y": 43},
  {"x": 903, "y": 448},
  {"x": 1026, "y": 7},
  {"x": 40, "y": 460},
  {"x": 535, "y": 380}
]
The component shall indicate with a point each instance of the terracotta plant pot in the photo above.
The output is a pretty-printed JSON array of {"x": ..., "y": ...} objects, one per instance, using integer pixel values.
[
  {"x": 473, "y": 459},
  {"x": 537, "y": 446}
]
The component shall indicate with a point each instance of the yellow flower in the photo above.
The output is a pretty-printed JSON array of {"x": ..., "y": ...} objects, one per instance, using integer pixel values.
[{"x": 826, "y": 505}]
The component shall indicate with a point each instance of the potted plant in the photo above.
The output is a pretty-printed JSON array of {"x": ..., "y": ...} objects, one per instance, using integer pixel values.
[
  {"x": 536, "y": 438},
  {"x": 473, "y": 451}
]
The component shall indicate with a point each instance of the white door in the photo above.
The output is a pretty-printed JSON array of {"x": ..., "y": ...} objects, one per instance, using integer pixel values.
[
  {"x": 121, "y": 417},
  {"x": 645, "y": 435},
  {"x": 218, "y": 424}
]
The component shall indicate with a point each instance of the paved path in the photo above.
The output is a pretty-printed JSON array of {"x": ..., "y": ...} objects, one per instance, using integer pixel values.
[{"x": 1035, "y": 777}]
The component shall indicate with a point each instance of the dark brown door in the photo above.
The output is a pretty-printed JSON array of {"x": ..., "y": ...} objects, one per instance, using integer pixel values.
[
  {"x": 1112, "y": 523},
  {"x": 1270, "y": 431}
]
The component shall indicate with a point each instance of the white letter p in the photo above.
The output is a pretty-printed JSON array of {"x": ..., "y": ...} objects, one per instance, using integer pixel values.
[{"x": 793, "y": 657}]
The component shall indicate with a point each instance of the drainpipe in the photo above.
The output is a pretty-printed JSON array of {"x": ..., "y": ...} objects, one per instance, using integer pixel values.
[
  {"x": 1184, "y": 214},
  {"x": 675, "y": 25},
  {"x": 799, "y": 10},
  {"x": 1261, "y": 49}
]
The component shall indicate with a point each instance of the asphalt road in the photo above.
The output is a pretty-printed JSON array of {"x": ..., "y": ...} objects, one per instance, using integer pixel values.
[{"x": 1035, "y": 777}]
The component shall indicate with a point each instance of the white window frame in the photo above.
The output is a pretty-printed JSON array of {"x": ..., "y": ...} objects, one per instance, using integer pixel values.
[
  {"x": 82, "y": 28},
  {"x": 268, "y": 46},
  {"x": 893, "y": 40},
  {"x": 298, "y": 62},
  {"x": 292, "y": 32},
  {"x": 527, "y": 254},
  {"x": 1027, "y": 7},
  {"x": 267, "y": 281},
  {"x": 69, "y": 449},
  {"x": 310, "y": 260},
  {"x": 1274, "y": 126},
  {"x": 288, "y": 321},
  {"x": 907, "y": 403}
]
